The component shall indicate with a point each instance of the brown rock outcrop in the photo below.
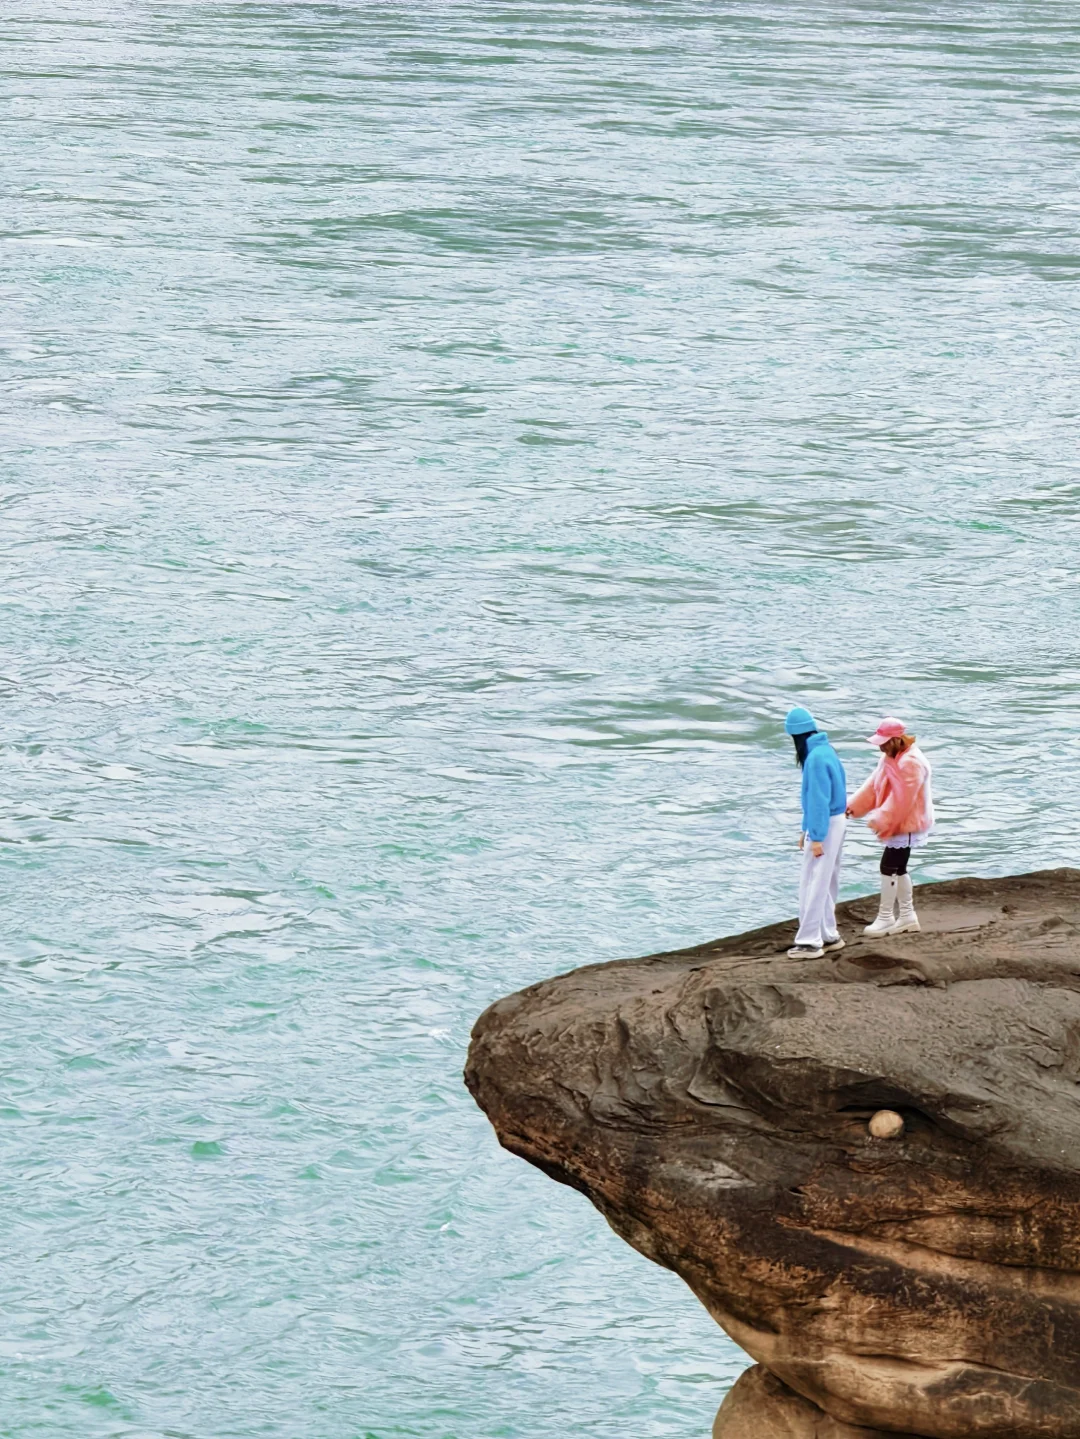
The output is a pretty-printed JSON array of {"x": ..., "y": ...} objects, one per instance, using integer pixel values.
[
  {"x": 760, "y": 1407},
  {"x": 714, "y": 1104}
]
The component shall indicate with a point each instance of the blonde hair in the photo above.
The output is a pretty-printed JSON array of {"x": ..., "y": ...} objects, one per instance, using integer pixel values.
[{"x": 905, "y": 741}]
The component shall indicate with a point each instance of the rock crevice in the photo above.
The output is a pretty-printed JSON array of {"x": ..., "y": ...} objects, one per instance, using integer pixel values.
[{"x": 715, "y": 1105}]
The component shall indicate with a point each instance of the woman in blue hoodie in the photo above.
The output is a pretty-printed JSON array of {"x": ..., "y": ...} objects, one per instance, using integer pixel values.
[{"x": 824, "y": 801}]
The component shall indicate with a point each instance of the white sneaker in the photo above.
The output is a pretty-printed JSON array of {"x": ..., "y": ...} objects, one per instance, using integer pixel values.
[
  {"x": 805, "y": 951},
  {"x": 830, "y": 945},
  {"x": 885, "y": 915}
]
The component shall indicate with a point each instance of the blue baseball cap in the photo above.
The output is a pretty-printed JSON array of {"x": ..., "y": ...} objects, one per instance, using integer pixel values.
[{"x": 799, "y": 721}]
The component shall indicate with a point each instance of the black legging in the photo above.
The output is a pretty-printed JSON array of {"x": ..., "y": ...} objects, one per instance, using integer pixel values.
[{"x": 894, "y": 861}]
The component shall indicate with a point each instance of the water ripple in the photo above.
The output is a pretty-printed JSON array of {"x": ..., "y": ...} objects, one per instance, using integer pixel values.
[{"x": 440, "y": 441}]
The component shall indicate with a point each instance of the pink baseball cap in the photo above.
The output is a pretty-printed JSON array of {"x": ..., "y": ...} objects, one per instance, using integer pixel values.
[{"x": 889, "y": 728}]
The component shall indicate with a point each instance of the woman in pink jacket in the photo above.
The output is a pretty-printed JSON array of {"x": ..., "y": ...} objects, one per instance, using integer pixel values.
[{"x": 899, "y": 808}]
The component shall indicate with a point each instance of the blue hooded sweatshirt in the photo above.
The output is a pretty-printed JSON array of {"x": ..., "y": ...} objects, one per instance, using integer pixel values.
[{"x": 824, "y": 786}]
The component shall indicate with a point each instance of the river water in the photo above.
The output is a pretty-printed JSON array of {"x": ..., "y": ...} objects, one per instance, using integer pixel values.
[{"x": 441, "y": 440}]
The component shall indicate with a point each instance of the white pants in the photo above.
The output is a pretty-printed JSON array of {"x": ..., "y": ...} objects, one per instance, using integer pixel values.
[{"x": 818, "y": 886}]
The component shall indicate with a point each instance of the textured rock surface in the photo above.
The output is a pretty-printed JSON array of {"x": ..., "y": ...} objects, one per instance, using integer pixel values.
[
  {"x": 760, "y": 1407},
  {"x": 714, "y": 1105}
]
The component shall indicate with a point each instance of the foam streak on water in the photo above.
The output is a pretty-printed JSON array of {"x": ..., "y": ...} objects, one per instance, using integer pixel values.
[{"x": 440, "y": 439}]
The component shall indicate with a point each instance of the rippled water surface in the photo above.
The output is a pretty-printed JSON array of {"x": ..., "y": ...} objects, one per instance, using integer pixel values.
[{"x": 440, "y": 441}]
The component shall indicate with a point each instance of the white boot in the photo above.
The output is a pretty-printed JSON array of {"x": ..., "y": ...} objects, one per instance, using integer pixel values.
[
  {"x": 908, "y": 920},
  {"x": 885, "y": 918}
]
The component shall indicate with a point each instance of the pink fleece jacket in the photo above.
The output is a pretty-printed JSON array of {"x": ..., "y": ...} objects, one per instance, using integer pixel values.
[{"x": 896, "y": 798}]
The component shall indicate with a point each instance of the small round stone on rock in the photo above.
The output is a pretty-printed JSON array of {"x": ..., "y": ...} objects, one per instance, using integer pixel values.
[{"x": 886, "y": 1124}]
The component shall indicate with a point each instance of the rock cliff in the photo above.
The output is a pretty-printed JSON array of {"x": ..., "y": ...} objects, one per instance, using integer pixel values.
[{"x": 715, "y": 1105}]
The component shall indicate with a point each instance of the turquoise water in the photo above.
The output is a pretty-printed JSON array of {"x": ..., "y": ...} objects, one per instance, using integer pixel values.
[{"x": 440, "y": 442}]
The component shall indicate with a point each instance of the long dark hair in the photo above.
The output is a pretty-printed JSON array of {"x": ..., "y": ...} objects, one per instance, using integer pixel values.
[{"x": 800, "y": 746}]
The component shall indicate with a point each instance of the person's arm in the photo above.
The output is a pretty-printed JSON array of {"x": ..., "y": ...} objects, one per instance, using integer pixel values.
[
  {"x": 885, "y": 820},
  {"x": 816, "y": 803},
  {"x": 862, "y": 801}
]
